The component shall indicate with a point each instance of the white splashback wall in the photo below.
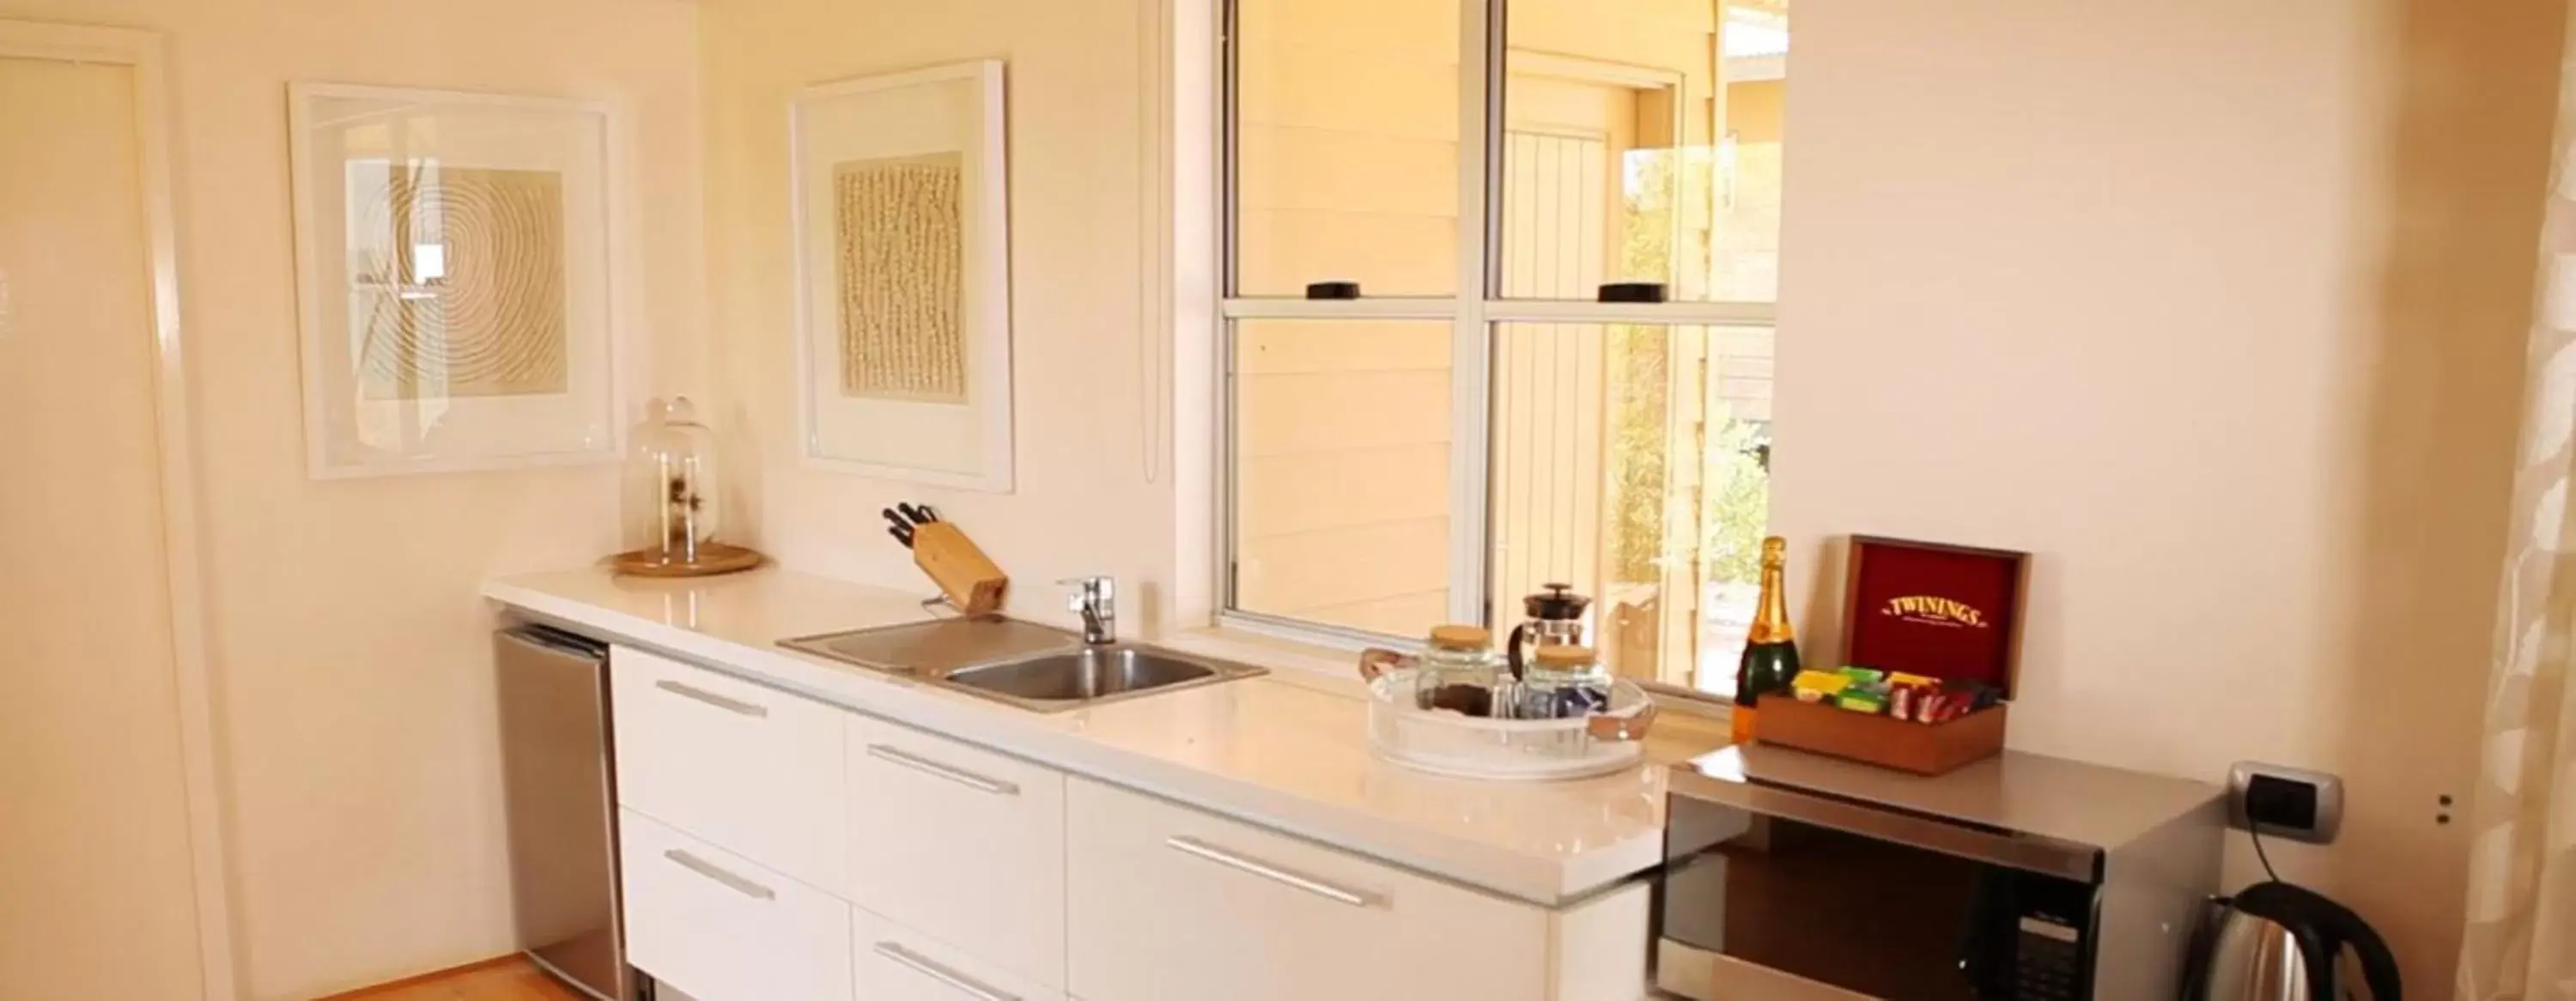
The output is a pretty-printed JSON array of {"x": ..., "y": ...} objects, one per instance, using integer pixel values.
[
  {"x": 1086, "y": 371},
  {"x": 2218, "y": 308}
]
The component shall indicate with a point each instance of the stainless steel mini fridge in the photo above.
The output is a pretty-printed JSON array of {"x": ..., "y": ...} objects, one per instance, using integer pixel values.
[{"x": 560, "y": 790}]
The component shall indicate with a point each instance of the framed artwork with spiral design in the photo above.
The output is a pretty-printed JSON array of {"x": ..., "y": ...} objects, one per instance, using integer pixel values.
[{"x": 457, "y": 279}]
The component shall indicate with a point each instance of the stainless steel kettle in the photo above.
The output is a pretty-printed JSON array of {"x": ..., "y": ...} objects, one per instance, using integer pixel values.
[{"x": 2278, "y": 942}]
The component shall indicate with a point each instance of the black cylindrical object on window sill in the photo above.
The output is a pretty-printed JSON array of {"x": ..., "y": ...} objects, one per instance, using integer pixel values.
[{"x": 1633, "y": 292}]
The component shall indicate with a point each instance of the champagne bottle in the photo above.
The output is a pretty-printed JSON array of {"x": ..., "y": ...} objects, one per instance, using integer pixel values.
[{"x": 1770, "y": 648}]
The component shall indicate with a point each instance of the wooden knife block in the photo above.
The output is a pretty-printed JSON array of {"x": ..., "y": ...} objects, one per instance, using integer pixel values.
[{"x": 963, "y": 572}]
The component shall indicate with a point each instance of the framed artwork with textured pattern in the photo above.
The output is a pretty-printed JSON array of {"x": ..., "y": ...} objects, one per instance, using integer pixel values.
[
  {"x": 454, "y": 257},
  {"x": 903, "y": 277}
]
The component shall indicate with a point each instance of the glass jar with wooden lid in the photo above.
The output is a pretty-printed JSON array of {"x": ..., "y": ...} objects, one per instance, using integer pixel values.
[
  {"x": 1562, "y": 682},
  {"x": 1459, "y": 671}
]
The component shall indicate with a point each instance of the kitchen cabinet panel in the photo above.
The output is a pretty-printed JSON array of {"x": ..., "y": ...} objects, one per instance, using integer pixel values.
[
  {"x": 1167, "y": 903},
  {"x": 720, "y": 927},
  {"x": 744, "y": 766},
  {"x": 964, "y": 844},
  {"x": 895, "y": 963}
]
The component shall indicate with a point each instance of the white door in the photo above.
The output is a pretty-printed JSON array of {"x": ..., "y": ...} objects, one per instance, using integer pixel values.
[
  {"x": 1548, "y": 381},
  {"x": 1561, "y": 152},
  {"x": 1566, "y": 412},
  {"x": 96, "y": 884}
]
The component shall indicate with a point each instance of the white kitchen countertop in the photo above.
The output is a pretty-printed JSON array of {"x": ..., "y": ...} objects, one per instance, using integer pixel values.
[{"x": 1288, "y": 750}]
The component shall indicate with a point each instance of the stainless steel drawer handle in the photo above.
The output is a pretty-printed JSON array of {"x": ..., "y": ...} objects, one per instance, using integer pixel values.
[
  {"x": 715, "y": 872},
  {"x": 952, "y": 773},
  {"x": 731, "y": 705},
  {"x": 938, "y": 971},
  {"x": 1230, "y": 860}
]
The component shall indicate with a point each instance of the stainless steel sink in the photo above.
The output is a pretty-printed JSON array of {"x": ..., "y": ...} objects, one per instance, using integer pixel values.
[
  {"x": 1029, "y": 666},
  {"x": 1092, "y": 675}
]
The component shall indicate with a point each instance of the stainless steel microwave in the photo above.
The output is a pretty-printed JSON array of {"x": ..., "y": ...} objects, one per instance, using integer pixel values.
[{"x": 1790, "y": 876}]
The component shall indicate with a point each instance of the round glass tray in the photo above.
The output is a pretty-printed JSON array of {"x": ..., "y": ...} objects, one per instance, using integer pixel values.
[{"x": 1448, "y": 743}]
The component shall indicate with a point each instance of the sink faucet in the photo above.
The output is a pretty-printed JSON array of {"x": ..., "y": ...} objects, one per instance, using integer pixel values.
[{"x": 1096, "y": 600}]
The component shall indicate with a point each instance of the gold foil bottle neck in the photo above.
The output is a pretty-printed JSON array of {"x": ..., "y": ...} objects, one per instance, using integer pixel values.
[{"x": 1771, "y": 613}]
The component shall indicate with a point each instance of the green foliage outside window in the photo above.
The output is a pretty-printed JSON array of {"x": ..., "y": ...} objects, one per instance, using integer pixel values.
[
  {"x": 1735, "y": 487},
  {"x": 1638, "y": 358},
  {"x": 1735, "y": 502}
]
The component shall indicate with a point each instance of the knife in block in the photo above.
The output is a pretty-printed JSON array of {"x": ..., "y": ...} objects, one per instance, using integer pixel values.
[{"x": 963, "y": 572}]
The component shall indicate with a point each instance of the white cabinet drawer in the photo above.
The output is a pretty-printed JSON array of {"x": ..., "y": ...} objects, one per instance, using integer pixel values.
[
  {"x": 894, "y": 963},
  {"x": 721, "y": 928},
  {"x": 963, "y": 844},
  {"x": 1166, "y": 902},
  {"x": 746, "y": 767}
]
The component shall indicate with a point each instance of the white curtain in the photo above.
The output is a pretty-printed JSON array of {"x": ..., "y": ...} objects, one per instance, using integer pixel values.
[{"x": 2520, "y": 943}]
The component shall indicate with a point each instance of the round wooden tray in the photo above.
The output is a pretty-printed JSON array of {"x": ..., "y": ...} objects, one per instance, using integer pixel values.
[{"x": 713, "y": 558}]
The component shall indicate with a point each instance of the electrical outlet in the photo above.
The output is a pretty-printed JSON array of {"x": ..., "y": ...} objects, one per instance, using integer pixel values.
[{"x": 2284, "y": 802}]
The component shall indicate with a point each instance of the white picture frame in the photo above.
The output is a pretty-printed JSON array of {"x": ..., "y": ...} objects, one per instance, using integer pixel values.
[
  {"x": 459, "y": 279},
  {"x": 905, "y": 378}
]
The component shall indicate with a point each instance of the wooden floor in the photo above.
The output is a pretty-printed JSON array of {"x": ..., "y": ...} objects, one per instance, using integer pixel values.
[{"x": 510, "y": 978}]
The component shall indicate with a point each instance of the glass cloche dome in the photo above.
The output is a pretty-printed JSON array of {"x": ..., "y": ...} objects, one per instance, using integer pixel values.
[{"x": 675, "y": 498}]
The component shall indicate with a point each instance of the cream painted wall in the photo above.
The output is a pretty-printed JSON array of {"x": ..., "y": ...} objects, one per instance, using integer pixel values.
[
  {"x": 1348, "y": 148},
  {"x": 1342, "y": 448},
  {"x": 1094, "y": 460},
  {"x": 1348, "y": 164},
  {"x": 354, "y": 700},
  {"x": 2219, "y": 309},
  {"x": 1755, "y": 110}
]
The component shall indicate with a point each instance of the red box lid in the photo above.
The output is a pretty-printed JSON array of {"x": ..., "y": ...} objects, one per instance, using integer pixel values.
[{"x": 1936, "y": 610}]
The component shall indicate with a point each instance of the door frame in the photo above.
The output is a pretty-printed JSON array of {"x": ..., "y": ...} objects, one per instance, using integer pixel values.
[
  {"x": 1677, "y": 626},
  {"x": 144, "y": 53}
]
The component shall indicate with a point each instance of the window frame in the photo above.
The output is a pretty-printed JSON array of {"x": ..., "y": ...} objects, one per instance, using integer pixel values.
[{"x": 1476, "y": 311}]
